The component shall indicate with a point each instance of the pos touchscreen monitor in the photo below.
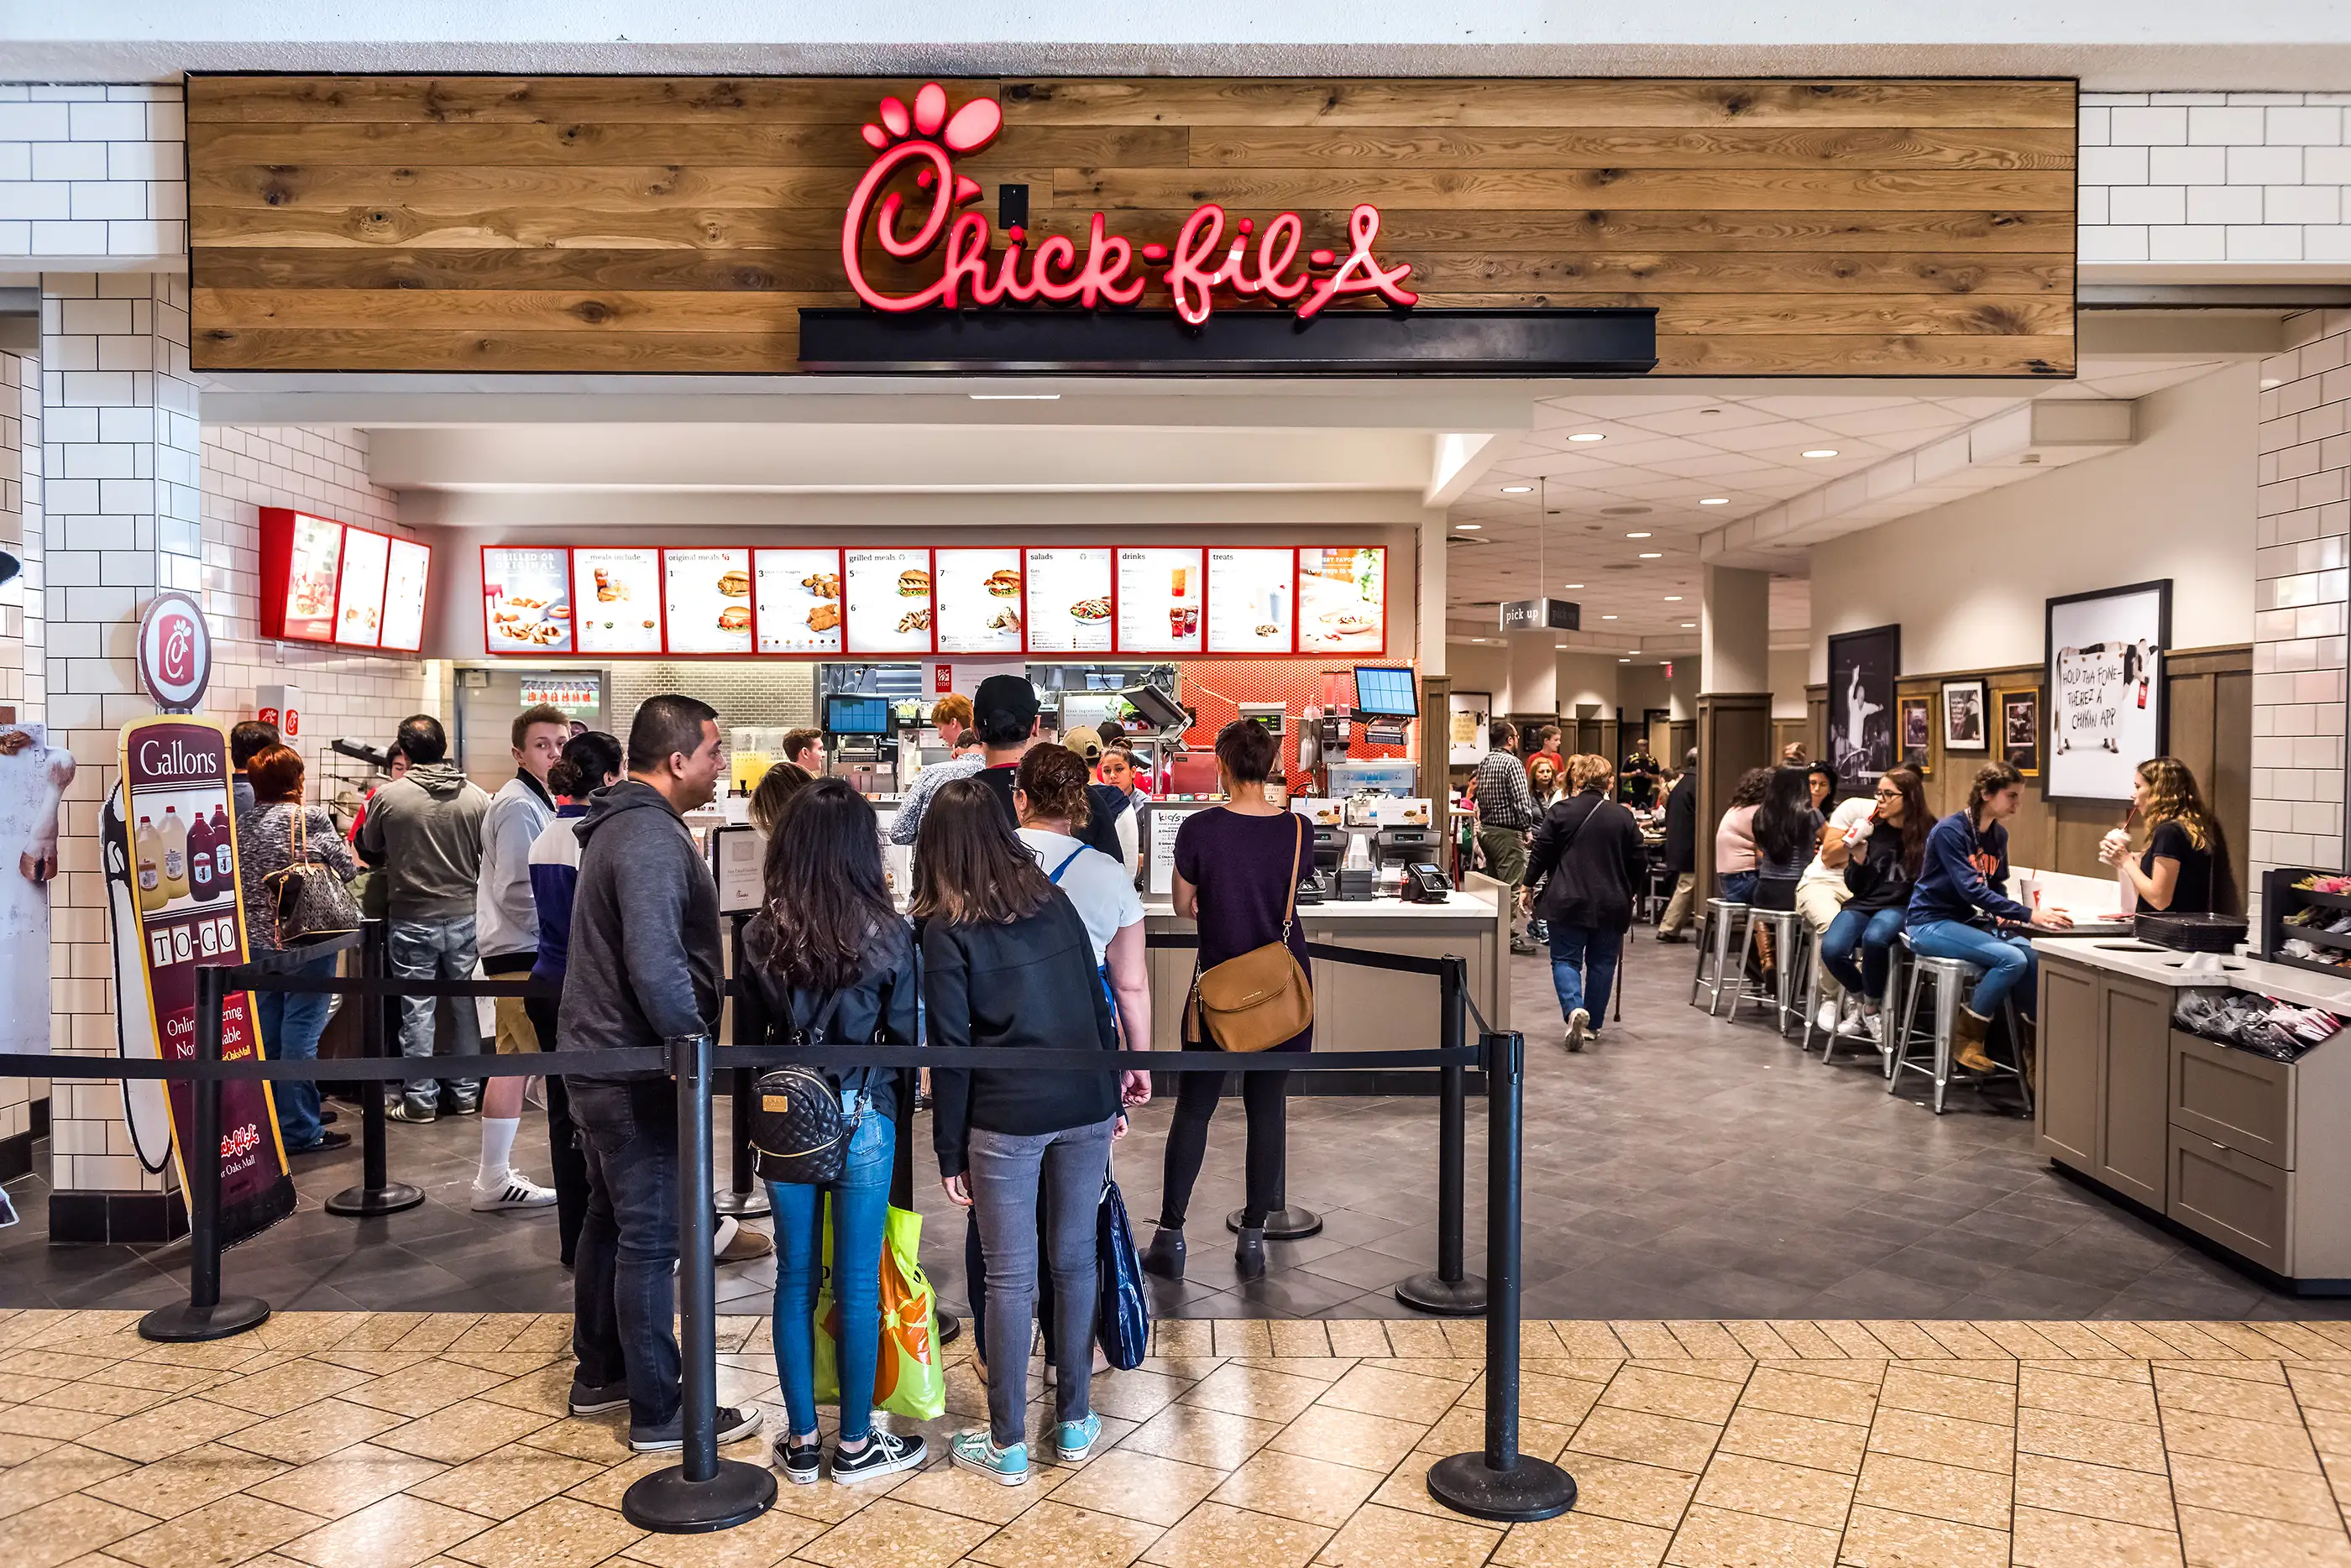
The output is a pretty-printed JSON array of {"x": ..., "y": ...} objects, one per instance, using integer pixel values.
[
  {"x": 856, "y": 715},
  {"x": 1385, "y": 691}
]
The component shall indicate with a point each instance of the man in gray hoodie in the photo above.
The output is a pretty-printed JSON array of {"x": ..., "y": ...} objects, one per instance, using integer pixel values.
[
  {"x": 425, "y": 830},
  {"x": 645, "y": 968}
]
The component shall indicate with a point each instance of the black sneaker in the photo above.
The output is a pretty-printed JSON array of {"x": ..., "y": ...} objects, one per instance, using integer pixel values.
[
  {"x": 407, "y": 1110},
  {"x": 885, "y": 1453},
  {"x": 800, "y": 1462},
  {"x": 592, "y": 1401},
  {"x": 328, "y": 1143},
  {"x": 733, "y": 1426}
]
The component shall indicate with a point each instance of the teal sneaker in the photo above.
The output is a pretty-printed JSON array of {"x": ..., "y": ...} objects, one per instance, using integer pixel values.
[
  {"x": 1074, "y": 1440},
  {"x": 977, "y": 1451}
]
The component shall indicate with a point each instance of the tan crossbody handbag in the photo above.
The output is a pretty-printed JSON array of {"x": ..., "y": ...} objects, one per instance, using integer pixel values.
[{"x": 1258, "y": 1000}]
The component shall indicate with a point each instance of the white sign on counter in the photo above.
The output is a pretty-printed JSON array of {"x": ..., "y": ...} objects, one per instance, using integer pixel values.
[
  {"x": 1164, "y": 821},
  {"x": 1069, "y": 600}
]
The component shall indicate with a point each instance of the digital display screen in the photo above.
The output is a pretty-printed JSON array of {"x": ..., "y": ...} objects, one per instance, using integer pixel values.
[
  {"x": 1385, "y": 691},
  {"x": 857, "y": 715}
]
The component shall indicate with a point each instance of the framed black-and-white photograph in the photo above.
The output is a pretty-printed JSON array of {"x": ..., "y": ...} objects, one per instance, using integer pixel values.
[
  {"x": 2107, "y": 708},
  {"x": 2020, "y": 729},
  {"x": 1966, "y": 725},
  {"x": 1863, "y": 667},
  {"x": 1918, "y": 733}
]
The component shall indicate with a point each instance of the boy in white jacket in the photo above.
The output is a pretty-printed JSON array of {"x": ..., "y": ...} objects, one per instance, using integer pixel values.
[{"x": 506, "y": 919}]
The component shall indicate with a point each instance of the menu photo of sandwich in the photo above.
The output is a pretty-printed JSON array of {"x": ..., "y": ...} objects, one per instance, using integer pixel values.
[
  {"x": 978, "y": 600},
  {"x": 706, "y": 596},
  {"x": 887, "y": 600}
]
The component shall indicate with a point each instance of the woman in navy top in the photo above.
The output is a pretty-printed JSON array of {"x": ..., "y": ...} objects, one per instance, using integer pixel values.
[{"x": 1960, "y": 907}]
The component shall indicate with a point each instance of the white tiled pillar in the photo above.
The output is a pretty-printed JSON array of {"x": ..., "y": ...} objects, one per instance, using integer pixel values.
[
  {"x": 122, "y": 518},
  {"x": 2299, "y": 593},
  {"x": 21, "y": 674}
]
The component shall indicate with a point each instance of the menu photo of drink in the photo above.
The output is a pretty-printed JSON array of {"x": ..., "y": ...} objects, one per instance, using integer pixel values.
[
  {"x": 1069, "y": 600},
  {"x": 889, "y": 600},
  {"x": 526, "y": 600},
  {"x": 408, "y": 568},
  {"x": 707, "y": 597},
  {"x": 1343, "y": 597},
  {"x": 978, "y": 600},
  {"x": 618, "y": 595},
  {"x": 310, "y": 578},
  {"x": 798, "y": 593},
  {"x": 1160, "y": 593},
  {"x": 358, "y": 600},
  {"x": 1248, "y": 600}
]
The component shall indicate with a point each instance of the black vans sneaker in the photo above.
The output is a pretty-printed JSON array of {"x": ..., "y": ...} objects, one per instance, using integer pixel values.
[
  {"x": 733, "y": 1426},
  {"x": 799, "y": 1461},
  {"x": 885, "y": 1453},
  {"x": 587, "y": 1400}
]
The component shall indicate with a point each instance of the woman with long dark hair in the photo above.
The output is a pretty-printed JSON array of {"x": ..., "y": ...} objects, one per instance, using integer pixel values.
[
  {"x": 1880, "y": 855},
  {"x": 1787, "y": 834},
  {"x": 1734, "y": 835},
  {"x": 2184, "y": 868},
  {"x": 1007, "y": 963},
  {"x": 834, "y": 963}
]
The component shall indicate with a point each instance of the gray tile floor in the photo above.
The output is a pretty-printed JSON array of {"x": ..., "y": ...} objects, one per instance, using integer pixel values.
[{"x": 1689, "y": 1169}]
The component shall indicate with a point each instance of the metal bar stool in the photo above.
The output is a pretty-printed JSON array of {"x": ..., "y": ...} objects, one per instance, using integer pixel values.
[
  {"x": 1951, "y": 979},
  {"x": 1716, "y": 922},
  {"x": 1793, "y": 939},
  {"x": 1896, "y": 967}
]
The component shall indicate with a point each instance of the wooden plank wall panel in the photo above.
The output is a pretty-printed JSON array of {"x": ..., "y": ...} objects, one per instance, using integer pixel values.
[{"x": 642, "y": 223}]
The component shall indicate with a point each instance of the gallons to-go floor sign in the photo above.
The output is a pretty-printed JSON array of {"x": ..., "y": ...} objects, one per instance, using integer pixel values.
[{"x": 171, "y": 915}]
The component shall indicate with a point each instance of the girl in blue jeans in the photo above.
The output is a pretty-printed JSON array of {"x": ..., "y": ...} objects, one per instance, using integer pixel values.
[
  {"x": 1960, "y": 908},
  {"x": 1880, "y": 855},
  {"x": 834, "y": 963}
]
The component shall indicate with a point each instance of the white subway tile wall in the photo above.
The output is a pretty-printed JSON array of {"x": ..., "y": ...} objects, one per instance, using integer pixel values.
[
  {"x": 94, "y": 175},
  {"x": 2303, "y": 522},
  {"x": 2187, "y": 177},
  {"x": 20, "y": 624}
]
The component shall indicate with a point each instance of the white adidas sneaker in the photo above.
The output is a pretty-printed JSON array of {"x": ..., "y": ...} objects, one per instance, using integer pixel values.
[{"x": 519, "y": 1191}]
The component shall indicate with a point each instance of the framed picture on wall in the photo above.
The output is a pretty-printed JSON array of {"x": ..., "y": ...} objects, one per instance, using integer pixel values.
[
  {"x": 2019, "y": 716},
  {"x": 2107, "y": 711},
  {"x": 1863, "y": 667},
  {"x": 1917, "y": 736},
  {"x": 1967, "y": 727}
]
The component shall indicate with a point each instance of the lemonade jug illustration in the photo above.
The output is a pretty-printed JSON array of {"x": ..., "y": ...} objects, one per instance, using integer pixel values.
[
  {"x": 150, "y": 857},
  {"x": 171, "y": 839}
]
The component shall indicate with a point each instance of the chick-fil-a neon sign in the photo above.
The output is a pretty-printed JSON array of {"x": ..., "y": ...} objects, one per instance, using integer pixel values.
[{"x": 1255, "y": 261}]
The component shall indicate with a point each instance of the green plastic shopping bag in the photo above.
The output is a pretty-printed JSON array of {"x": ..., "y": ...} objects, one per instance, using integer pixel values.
[{"x": 907, "y": 1377}]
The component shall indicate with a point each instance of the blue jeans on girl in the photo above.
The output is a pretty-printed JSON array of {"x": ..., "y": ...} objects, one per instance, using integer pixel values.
[
  {"x": 2007, "y": 962},
  {"x": 1874, "y": 932},
  {"x": 291, "y": 1022},
  {"x": 861, "y": 1202}
]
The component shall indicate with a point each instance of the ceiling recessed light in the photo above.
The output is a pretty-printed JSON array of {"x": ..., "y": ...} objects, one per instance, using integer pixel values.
[
  {"x": 1821, "y": 452},
  {"x": 1587, "y": 435},
  {"x": 1672, "y": 598},
  {"x": 1518, "y": 489},
  {"x": 1689, "y": 625},
  {"x": 1607, "y": 618},
  {"x": 1014, "y": 397},
  {"x": 1652, "y": 554},
  {"x": 1623, "y": 662},
  {"x": 1636, "y": 535},
  {"x": 1470, "y": 527},
  {"x": 1632, "y": 650},
  {"x": 1716, "y": 501},
  {"x": 1571, "y": 585}
]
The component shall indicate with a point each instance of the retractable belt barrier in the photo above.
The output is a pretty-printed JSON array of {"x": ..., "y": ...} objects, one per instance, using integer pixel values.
[{"x": 705, "y": 1492}]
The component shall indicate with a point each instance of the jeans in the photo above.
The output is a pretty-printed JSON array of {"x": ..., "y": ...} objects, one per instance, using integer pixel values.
[
  {"x": 2007, "y": 962},
  {"x": 1583, "y": 967},
  {"x": 1875, "y": 933},
  {"x": 1738, "y": 887},
  {"x": 1010, "y": 1174},
  {"x": 622, "y": 1289},
  {"x": 433, "y": 950},
  {"x": 974, "y": 1273},
  {"x": 861, "y": 1202},
  {"x": 567, "y": 1166},
  {"x": 291, "y": 1022}
]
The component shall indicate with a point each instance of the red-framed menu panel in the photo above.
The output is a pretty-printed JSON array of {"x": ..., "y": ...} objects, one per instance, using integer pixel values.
[
  {"x": 1154, "y": 601},
  {"x": 338, "y": 584}
]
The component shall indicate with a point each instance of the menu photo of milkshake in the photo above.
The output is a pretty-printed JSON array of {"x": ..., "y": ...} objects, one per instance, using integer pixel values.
[
  {"x": 618, "y": 596},
  {"x": 797, "y": 595},
  {"x": 707, "y": 597},
  {"x": 526, "y": 600},
  {"x": 979, "y": 600},
  {"x": 1160, "y": 595},
  {"x": 1248, "y": 600},
  {"x": 1069, "y": 600},
  {"x": 407, "y": 571},
  {"x": 889, "y": 600}
]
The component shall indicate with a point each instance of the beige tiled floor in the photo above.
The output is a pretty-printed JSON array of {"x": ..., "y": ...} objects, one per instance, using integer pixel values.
[{"x": 391, "y": 1440}]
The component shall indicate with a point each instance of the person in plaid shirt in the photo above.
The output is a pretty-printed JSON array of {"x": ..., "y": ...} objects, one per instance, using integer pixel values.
[{"x": 1506, "y": 814}]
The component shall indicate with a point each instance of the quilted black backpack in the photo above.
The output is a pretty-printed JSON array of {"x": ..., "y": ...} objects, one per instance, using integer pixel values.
[{"x": 798, "y": 1131}]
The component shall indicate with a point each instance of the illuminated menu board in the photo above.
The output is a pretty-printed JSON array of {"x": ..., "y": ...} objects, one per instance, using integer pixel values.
[
  {"x": 1160, "y": 593},
  {"x": 1248, "y": 600},
  {"x": 978, "y": 600},
  {"x": 406, "y": 573},
  {"x": 618, "y": 596},
  {"x": 706, "y": 599},
  {"x": 527, "y": 600},
  {"x": 1069, "y": 600},
  {"x": 318, "y": 553},
  {"x": 889, "y": 599},
  {"x": 1342, "y": 597},
  {"x": 358, "y": 595},
  {"x": 798, "y": 593}
]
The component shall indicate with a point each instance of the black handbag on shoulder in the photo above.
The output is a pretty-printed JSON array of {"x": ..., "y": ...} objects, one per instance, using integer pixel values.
[{"x": 799, "y": 1132}]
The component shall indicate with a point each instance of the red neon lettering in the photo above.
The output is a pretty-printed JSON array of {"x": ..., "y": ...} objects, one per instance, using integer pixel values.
[
  {"x": 1194, "y": 242},
  {"x": 1290, "y": 231},
  {"x": 1107, "y": 259},
  {"x": 1361, "y": 272}
]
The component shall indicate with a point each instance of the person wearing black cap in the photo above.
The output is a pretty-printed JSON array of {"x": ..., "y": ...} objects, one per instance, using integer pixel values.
[{"x": 1004, "y": 712}]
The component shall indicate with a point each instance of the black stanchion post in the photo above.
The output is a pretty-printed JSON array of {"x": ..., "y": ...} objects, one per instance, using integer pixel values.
[
  {"x": 703, "y": 1492},
  {"x": 744, "y": 1198},
  {"x": 204, "y": 1316},
  {"x": 377, "y": 1193},
  {"x": 1449, "y": 1293},
  {"x": 1502, "y": 1483}
]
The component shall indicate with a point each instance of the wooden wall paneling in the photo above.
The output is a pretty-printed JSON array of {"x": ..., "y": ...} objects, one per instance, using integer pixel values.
[
  {"x": 1778, "y": 227},
  {"x": 1816, "y": 720},
  {"x": 1734, "y": 734}
]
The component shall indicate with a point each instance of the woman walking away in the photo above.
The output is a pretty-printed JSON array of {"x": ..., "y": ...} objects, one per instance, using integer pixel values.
[
  {"x": 1960, "y": 908},
  {"x": 1587, "y": 860},
  {"x": 275, "y": 832},
  {"x": 1008, "y": 964},
  {"x": 2185, "y": 869},
  {"x": 1238, "y": 866},
  {"x": 834, "y": 964},
  {"x": 1879, "y": 857}
]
